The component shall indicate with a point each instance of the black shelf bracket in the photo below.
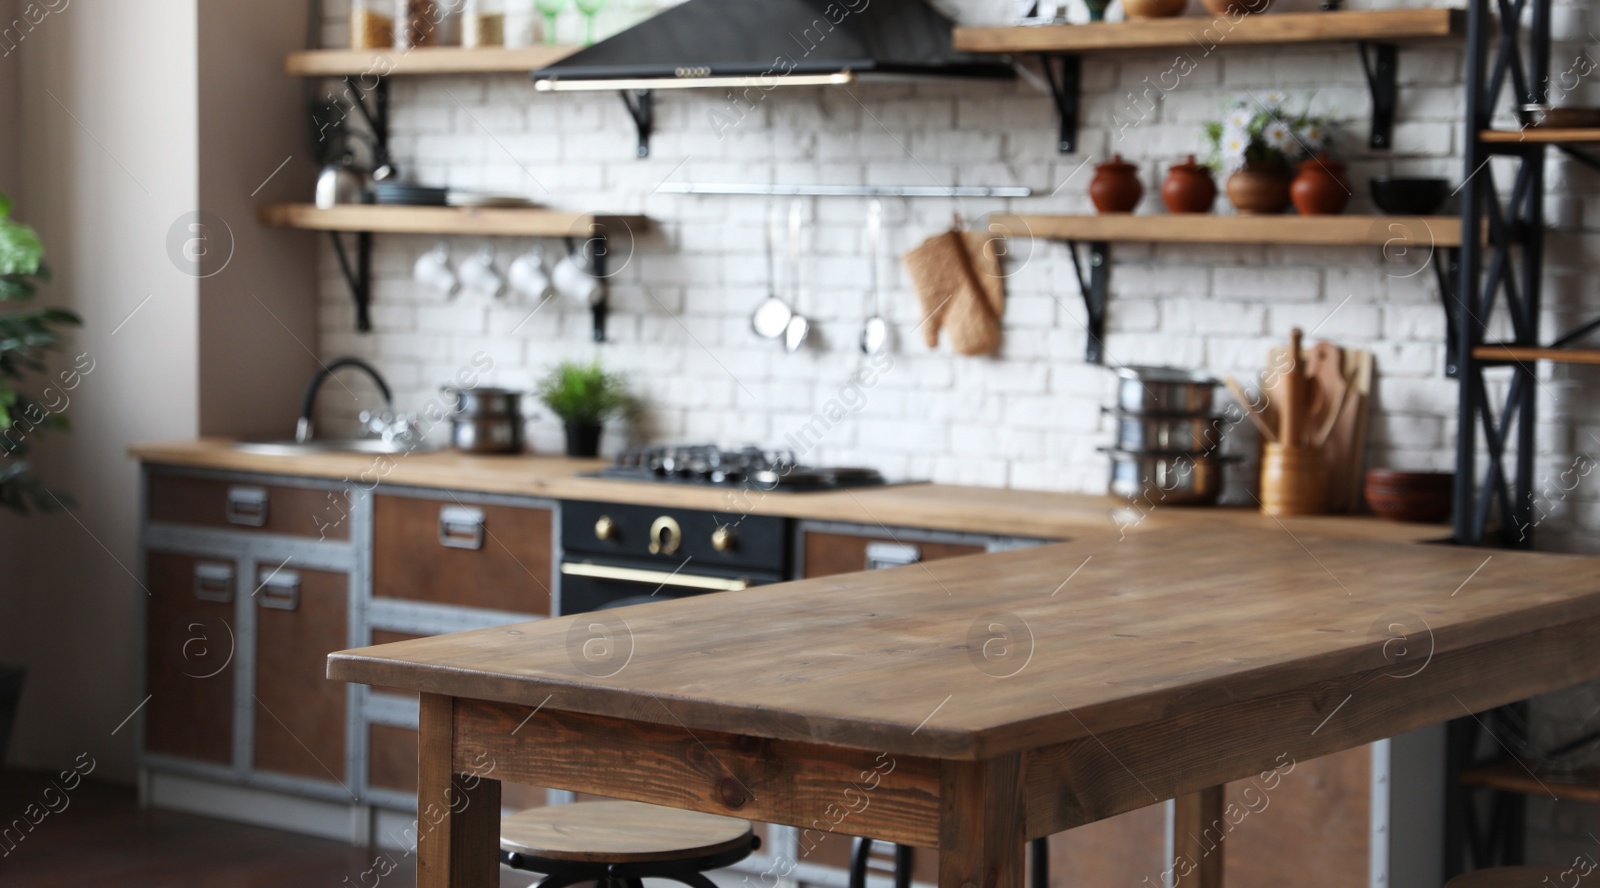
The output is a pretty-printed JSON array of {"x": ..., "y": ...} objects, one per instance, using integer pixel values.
[
  {"x": 1064, "y": 73},
  {"x": 1096, "y": 290},
  {"x": 594, "y": 249},
  {"x": 1583, "y": 157},
  {"x": 359, "y": 277},
  {"x": 357, "y": 271},
  {"x": 1447, "y": 269},
  {"x": 641, "y": 105},
  {"x": 1381, "y": 63}
]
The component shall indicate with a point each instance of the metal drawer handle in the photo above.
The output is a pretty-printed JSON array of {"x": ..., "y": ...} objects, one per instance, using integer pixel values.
[
  {"x": 882, "y": 555},
  {"x": 665, "y": 536},
  {"x": 461, "y": 527},
  {"x": 213, "y": 582},
  {"x": 280, "y": 590},
  {"x": 247, "y": 506},
  {"x": 655, "y": 577}
]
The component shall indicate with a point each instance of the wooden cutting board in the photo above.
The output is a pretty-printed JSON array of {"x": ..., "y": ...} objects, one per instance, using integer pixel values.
[{"x": 1346, "y": 448}]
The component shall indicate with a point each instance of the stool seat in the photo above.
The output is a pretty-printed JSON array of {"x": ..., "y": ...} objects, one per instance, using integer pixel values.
[
  {"x": 620, "y": 832},
  {"x": 1510, "y": 877}
]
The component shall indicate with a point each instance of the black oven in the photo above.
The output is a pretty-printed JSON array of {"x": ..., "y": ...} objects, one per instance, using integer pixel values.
[{"x": 614, "y": 555}]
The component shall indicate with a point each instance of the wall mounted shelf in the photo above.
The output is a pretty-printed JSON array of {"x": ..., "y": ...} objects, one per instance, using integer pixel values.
[
  {"x": 1100, "y": 232},
  {"x": 1511, "y": 354},
  {"x": 1375, "y": 32},
  {"x": 429, "y": 60},
  {"x": 1540, "y": 136},
  {"x": 590, "y": 232}
]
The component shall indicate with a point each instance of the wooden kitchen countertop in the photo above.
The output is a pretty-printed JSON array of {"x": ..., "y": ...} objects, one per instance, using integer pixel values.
[{"x": 980, "y": 510}]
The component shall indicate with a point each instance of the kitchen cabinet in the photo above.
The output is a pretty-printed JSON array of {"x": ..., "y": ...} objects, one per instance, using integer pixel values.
[
  {"x": 300, "y": 725},
  {"x": 475, "y": 554},
  {"x": 828, "y": 548},
  {"x": 189, "y": 657},
  {"x": 246, "y": 505}
]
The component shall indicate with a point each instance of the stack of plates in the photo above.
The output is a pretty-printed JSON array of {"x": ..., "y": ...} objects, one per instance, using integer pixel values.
[
  {"x": 413, "y": 195},
  {"x": 474, "y": 199}
]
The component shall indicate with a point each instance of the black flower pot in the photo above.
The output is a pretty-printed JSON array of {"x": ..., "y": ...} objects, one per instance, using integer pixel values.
[
  {"x": 10, "y": 696},
  {"x": 583, "y": 438}
]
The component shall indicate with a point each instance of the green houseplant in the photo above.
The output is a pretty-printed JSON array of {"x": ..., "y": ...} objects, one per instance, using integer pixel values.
[
  {"x": 26, "y": 335},
  {"x": 584, "y": 396}
]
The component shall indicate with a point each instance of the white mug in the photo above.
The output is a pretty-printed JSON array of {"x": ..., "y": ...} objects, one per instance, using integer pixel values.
[
  {"x": 434, "y": 272},
  {"x": 527, "y": 274},
  {"x": 574, "y": 281},
  {"x": 479, "y": 275}
]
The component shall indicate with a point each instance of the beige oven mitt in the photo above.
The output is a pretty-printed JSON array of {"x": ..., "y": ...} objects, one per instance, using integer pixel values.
[{"x": 957, "y": 278}]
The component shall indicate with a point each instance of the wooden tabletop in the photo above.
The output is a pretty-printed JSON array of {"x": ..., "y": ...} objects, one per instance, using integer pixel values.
[
  {"x": 976, "y": 657},
  {"x": 982, "y": 510}
]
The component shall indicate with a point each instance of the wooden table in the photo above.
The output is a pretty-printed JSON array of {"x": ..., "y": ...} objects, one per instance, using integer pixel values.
[{"x": 976, "y": 703}]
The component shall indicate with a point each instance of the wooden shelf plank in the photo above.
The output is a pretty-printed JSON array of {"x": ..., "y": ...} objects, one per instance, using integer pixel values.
[
  {"x": 533, "y": 222},
  {"x": 429, "y": 60},
  {"x": 1512, "y": 777},
  {"x": 1440, "y": 231},
  {"x": 1521, "y": 354},
  {"x": 1204, "y": 33},
  {"x": 1541, "y": 136}
]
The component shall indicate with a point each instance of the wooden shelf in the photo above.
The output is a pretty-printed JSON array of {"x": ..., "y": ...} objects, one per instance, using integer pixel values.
[
  {"x": 1205, "y": 32},
  {"x": 532, "y": 222},
  {"x": 431, "y": 60},
  {"x": 1440, "y": 231},
  {"x": 1541, "y": 136},
  {"x": 1506, "y": 353},
  {"x": 1509, "y": 776}
]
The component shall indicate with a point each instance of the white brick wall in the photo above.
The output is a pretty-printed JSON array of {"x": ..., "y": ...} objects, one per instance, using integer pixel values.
[{"x": 1029, "y": 417}]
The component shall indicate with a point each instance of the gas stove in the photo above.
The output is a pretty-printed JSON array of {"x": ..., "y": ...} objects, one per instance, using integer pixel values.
[{"x": 749, "y": 467}]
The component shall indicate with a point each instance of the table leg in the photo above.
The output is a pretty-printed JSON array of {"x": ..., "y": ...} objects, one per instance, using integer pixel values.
[
  {"x": 981, "y": 816},
  {"x": 458, "y": 815},
  {"x": 1197, "y": 837}
]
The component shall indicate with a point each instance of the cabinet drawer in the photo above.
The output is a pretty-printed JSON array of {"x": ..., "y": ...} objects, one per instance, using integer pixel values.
[
  {"x": 316, "y": 512},
  {"x": 190, "y": 643},
  {"x": 470, "y": 555},
  {"x": 827, "y": 554},
  {"x": 301, "y": 617}
]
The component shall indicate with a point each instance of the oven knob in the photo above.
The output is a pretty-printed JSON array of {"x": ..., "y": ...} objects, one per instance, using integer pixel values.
[
  {"x": 665, "y": 536},
  {"x": 722, "y": 539},
  {"x": 605, "y": 528}
]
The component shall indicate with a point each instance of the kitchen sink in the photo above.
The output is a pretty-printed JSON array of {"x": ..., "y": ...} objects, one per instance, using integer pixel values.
[{"x": 291, "y": 447}]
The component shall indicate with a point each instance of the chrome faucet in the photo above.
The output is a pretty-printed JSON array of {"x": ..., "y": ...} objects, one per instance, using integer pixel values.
[{"x": 308, "y": 404}]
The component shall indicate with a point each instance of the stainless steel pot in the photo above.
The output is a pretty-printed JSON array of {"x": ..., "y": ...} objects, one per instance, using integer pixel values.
[
  {"x": 1164, "y": 390},
  {"x": 1173, "y": 478},
  {"x": 1168, "y": 433},
  {"x": 486, "y": 420}
]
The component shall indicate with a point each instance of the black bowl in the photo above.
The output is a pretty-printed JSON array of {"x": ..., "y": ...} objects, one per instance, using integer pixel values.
[{"x": 1401, "y": 196}]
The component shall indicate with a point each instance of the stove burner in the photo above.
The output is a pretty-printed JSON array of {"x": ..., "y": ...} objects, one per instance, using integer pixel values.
[{"x": 750, "y": 467}]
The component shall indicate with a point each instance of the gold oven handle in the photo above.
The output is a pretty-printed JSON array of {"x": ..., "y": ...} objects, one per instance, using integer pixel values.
[
  {"x": 658, "y": 577},
  {"x": 665, "y": 536}
]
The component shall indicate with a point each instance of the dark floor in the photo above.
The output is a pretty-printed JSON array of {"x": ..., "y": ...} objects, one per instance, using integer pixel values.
[{"x": 100, "y": 837}]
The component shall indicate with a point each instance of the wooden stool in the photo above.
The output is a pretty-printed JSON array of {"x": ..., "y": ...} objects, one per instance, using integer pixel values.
[
  {"x": 618, "y": 843},
  {"x": 1513, "y": 877}
]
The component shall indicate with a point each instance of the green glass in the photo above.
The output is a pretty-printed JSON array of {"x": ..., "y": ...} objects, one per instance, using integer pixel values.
[
  {"x": 550, "y": 9},
  {"x": 589, "y": 8}
]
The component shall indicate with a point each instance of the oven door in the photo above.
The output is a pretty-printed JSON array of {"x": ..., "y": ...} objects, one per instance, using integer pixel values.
[{"x": 602, "y": 584}]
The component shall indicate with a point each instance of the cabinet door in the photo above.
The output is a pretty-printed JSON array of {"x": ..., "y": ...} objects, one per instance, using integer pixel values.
[
  {"x": 827, "y": 553},
  {"x": 489, "y": 556},
  {"x": 189, "y": 657},
  {"x": 301, "y": 617}
]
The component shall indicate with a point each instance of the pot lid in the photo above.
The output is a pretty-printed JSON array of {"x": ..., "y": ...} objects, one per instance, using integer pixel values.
[
  {"x": 1166, "y": 374},
  {"x": 1190, "y": 165},
  {"x": 1116, "y": 164}
]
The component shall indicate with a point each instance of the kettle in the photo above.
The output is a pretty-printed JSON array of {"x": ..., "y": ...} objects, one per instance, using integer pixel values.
[{"x": 341, "y": 182}]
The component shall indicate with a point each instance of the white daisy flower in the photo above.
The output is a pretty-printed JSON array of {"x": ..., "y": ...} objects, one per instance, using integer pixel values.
[
  {"x": 1274, "y": 98},
  {"x": 1314, "y": 136},
  {"x": 1234, "y": 145},
  {"x": 1238, "y": 119},
  {"x": 1278, "y": 136}
]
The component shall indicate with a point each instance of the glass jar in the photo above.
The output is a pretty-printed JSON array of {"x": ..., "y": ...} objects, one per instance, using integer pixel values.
[
  {"x": 522, "y": 23},
  {"x": 371, "y": 25},
  {"x": 483, "y": 23},
  {"x": 417, "y": 23}
]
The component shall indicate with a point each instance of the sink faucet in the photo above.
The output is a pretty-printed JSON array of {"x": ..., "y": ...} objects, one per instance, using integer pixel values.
[{"x": 308, "y": 405}]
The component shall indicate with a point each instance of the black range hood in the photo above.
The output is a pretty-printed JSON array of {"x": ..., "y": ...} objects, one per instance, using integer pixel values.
[{"x": 725, "y": 43}]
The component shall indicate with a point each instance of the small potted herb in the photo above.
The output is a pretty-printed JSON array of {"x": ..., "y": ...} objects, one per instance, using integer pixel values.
[{"x": 584, "y": 396}]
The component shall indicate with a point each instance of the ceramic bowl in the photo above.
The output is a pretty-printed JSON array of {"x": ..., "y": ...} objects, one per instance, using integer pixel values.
[
  {"x": 1419, "y": 497},
  {"x": 1403, "y": 196}
]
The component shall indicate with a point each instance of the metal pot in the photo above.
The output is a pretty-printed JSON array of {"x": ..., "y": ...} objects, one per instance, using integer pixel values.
[
  {"x": 1174, "y": 478},
  {"x": 1168, "y": 433},
  {"x": 486, "y": 420},
  {"x": 1164, "y": 390}
]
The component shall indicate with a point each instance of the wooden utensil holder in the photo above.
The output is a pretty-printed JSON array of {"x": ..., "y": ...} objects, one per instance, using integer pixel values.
[{"x": 1294, "y": 480}]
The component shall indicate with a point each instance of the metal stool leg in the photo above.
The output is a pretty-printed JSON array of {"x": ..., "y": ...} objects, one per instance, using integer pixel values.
[
  {"x": 858, "y": 864},
  {"x": 693, "y": 880},
  {"x": 903, "y": 862},
  {"x": 1040, "y": 849}
]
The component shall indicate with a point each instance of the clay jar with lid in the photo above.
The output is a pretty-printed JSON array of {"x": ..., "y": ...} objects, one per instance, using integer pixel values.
[
  {"x": 1116, "y": 187},
  {"x": 1319, "y": 189},
  {"x": 1189, "y": 188}
]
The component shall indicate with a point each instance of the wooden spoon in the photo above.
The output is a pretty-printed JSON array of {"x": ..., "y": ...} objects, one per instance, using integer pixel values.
[{"x": 1243, "y": 398}]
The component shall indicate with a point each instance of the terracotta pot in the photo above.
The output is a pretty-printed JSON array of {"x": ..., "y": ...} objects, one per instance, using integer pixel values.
[
  {"x": 1139, "y": 9},
  {"x": 1320, "y": 189},
  {"x": 1237, "y": 7},
  {"x": 1260, "y": 188},
  {"x": 1116, "y": 187},
  {"x": 1189, "y": 188}
]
